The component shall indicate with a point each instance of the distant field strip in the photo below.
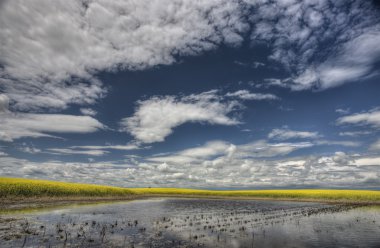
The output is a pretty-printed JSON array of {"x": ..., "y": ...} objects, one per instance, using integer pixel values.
[
  {"x": 16, "y": 187},
  {"x": 317, "y": 194}
]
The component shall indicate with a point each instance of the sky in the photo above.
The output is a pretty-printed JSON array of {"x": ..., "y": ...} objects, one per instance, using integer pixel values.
[{"x": 217, "y": 94}]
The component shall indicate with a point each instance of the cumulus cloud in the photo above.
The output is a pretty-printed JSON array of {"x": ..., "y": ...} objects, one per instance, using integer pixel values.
[
  {"x": 322, "y": 43},
  {"x": 216, "y": 169},
  {"x": 155, "y": 118},
  {"x": 246, "y": 95},
  {"x": 285, "y": 134},
  {"x": 29, "y": 148},
  {"x": 50, "y": 50},
  {"x": 370, "y": 118}
]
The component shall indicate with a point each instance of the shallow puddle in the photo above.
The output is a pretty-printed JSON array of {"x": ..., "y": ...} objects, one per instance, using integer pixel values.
[{"x": 173, "y": 222}]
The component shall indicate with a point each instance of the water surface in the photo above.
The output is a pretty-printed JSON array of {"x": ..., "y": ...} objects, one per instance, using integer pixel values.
[{"x": 173, "y": 222}]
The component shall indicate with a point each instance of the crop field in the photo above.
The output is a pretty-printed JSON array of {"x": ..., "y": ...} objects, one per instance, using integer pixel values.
[
  {"x": 316, "y": 194},
  {"x": 17, "y": 187}
]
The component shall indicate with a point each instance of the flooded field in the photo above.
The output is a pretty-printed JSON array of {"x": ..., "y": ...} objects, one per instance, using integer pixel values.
[{"x": 173, "y": 222}]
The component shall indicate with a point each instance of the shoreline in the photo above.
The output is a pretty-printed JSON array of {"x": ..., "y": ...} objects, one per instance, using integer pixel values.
[{"x": 9, "y": 204}]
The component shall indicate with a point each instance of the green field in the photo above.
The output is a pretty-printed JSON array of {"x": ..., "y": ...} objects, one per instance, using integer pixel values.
[{"x": 24, "y": 188}]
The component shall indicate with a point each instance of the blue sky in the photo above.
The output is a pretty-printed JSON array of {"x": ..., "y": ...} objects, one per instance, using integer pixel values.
[{"x": 208, "y": 94}]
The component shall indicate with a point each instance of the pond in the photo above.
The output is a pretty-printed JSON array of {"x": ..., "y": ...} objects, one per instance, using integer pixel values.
[{"x": 180, "y": 222}]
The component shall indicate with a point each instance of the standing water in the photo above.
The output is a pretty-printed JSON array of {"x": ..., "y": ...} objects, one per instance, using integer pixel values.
[{"x": 173, "y": 222}]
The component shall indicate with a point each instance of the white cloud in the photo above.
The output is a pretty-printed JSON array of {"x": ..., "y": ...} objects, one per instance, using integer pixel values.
[
  {"x": 369, "y": 118},
  {"x": 342, "y": 111},
  {"x": 215, "y": 169},
  {"x": 92, "y": 150},
  {"x": 338, "y": 143},
  {"x": 220, "y": 152},
  {"x": 49, "y": 49},
  {"x": 18, "y": 125},
  {"x": 88, "y": 111},
  {"x": 127, "y": 147},
  {"x": 375, "y": 146},
  {"x": 206, "y": 151},
  {"x": 323, "y": 44},
  {"x": 246, "y": 95},
  {"x": 254, "y": 64},
  {"x": 155, "y": 118},
  {"x": 15, "y": 125},
  {"x": 257, "y": 64},
  {"x": 284, "y": 134},
  {"x": 354, "y": 133},
  {"x": 262, "y": 149},
  {"x": 367, "y": 161},
  {"x": 356, "y": 59},
  {"x": 29, "y": 149},
  {"x": 4, "y": 103},
  {"x": 210, "y": 149},
  {"x": 69, "y": 151}
]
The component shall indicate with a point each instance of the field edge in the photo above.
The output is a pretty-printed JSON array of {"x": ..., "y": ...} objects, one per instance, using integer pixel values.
[{"x": 18, "y": 193}]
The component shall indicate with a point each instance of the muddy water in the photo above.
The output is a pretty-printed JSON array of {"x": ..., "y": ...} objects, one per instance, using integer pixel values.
[{"x": 171, "y": 222}]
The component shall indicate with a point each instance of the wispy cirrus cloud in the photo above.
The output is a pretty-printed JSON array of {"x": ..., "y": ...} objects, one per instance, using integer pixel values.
[
  {"x": 285, "y": 134},
  {"x": 323, "y": 44},
  {"x": 369, "y": 118},
  {"x": 246, "y": 95},
  {"x": 70, "y": 151},
  {"x": 347, "y": 143},
  {"x": 88, "y": 111},
  {"x": 19, "y": 125},
  {"x": 354, "y": 133},
  {"x": 222, "y": 152},
  {"x": 51, "y": 52},
  {"x": 15, "y": 126},
  {"x": 315, "y": 137},
  {"x": 127, "y": 147}
]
